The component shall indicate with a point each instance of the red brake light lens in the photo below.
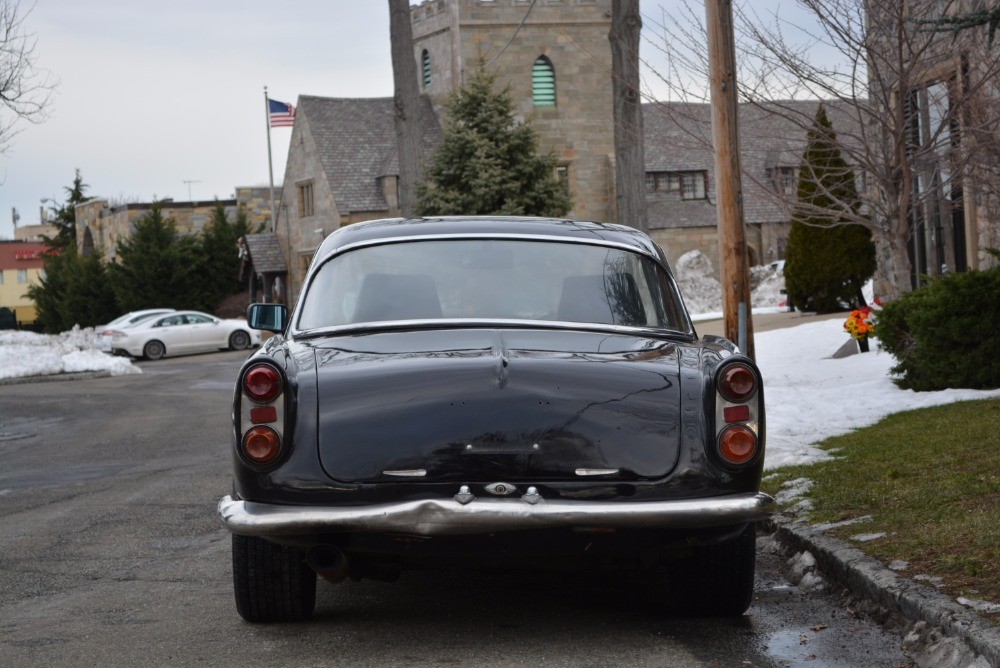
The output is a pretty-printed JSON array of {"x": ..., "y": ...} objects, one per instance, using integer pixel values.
[
  {"x": 261, "y": 445},
  {"x": 737, "y": 383},
  {"x": 262, "y": 383},
  {"x": 737, "y": 444}
]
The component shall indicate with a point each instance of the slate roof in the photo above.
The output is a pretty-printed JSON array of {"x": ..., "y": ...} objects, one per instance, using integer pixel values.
[
  {"x": 356, "y": 145},
  {"x": 678, "y": 137},
  {"x": 265, "y": 253}
]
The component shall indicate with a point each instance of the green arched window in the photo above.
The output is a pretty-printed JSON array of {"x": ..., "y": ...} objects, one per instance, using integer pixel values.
[
  {"x": 543, "y": 83},
  {"x": 425, "y": 64}
]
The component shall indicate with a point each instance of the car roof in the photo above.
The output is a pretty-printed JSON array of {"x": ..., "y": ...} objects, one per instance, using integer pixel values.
[{"x": 374, "y": 231}]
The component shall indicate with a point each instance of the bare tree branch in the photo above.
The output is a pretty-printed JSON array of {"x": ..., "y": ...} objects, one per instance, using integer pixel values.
[{"x": 25, "y": 91}]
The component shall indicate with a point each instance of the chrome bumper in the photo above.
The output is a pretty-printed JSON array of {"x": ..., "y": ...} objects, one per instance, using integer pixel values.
[{"x": 438, "y": 517}]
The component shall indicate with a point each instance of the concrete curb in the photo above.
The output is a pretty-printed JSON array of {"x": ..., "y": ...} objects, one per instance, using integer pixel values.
[
  {"x": 80, "y": 375},
  {"x": 871, "y": 579}
]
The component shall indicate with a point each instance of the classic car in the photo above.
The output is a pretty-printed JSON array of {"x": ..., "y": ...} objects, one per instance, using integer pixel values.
[
  {"x": 178, "y": 333},
  {"x": 484, "y": 392}
]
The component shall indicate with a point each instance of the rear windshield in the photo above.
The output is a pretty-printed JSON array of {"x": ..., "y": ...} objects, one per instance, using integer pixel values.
[{"x": 494, "y": 280}]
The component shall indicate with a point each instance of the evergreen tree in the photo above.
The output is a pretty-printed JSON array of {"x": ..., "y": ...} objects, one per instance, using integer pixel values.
[
  {"x": 828, "y": 259},
  {"x": 74, "y": 290},
  {"x": 488, "y": 162},
  {"x": 158, "y": 267},
  {"x": 219, "y": 242}
]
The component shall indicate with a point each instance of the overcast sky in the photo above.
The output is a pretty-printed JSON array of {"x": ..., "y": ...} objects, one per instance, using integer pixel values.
[{"x": 165, "y": 98}]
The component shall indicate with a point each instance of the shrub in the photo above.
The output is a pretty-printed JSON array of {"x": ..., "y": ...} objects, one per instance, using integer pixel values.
[{"x": 947, "y": 333}]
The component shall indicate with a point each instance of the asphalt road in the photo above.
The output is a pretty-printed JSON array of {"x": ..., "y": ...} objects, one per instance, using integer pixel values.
[{"x": 111, "y": 554}]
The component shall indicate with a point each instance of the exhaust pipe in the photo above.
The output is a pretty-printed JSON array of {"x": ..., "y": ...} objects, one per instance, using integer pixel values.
[{"x": 329, "y": 562}]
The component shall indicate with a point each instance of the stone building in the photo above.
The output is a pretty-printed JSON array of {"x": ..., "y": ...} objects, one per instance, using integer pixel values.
[
  {"x": 342, "y": 168},
  {"x": 555, "y": 57},
  {"x": 101, "y": 224},
  {"x": 945, "y": 87},
  {"x": 680, "y": 173}
]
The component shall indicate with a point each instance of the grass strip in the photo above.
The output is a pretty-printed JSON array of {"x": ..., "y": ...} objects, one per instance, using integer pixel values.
[{"x": 930, "y": 479}]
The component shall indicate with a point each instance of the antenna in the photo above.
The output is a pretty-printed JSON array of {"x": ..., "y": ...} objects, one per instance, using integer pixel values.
[{"x": 189, "y": 182}]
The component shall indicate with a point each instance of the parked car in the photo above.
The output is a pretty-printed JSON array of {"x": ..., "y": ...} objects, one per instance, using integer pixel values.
[
  {"x": 126, "y": 320},
  {"x": 480, "y": 392},
  {"x": 179, "y": 333}
]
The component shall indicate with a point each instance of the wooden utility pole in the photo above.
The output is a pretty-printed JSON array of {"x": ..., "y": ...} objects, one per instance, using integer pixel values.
[{"x": 734, "y": 263}]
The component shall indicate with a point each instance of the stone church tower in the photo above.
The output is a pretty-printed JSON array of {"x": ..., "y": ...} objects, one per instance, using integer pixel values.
[{"x": 555, "y": 57}]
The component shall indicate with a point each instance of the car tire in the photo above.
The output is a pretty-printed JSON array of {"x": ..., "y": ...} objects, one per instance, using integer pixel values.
[
  {"x": 713, "y": 580},
  {"x": 154, "y": 350},
  {"x": 239, "y": 340},
  {"x": 272, "y": 582}
]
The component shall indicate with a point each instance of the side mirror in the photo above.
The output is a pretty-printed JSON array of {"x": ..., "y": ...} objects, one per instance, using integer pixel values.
[{"x": 269, "y": 317}]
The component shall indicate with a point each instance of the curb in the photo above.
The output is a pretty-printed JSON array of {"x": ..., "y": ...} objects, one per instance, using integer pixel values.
[
  {"x": 869, "y": 578},
  {"x": 79, "y": 375}
]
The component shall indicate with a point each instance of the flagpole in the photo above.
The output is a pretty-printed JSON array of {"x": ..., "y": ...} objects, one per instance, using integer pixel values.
[{"x": 270, "y": 168}]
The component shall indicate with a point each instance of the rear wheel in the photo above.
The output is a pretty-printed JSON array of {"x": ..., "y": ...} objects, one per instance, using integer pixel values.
[
  {"x": 239, "y": 340},
  {"x": 154, "y": 350},
  {"x": 714, "y": 580},
  {"x": 272, "y": 582}
]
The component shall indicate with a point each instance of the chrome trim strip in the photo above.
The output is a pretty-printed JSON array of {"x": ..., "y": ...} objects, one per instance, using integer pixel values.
[
  {"x": 407, "y": 473},
  {"x": 437, "y": 517},
  {"x": 478, "y": 236},
  {"x": 493, "y": 324},
  {"x": 589, "y": 472}
]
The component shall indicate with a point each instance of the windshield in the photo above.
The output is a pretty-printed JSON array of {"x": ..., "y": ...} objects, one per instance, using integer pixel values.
[{"x": 491, "y": 279}]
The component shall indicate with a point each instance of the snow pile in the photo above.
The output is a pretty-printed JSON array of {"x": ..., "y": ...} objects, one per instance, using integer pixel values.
[
  {"x": 703, "y": 293},
  {"x": 25, "y": 354}
]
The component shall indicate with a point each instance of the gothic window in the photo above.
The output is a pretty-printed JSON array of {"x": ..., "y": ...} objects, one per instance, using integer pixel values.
[
  {"x": 425, "y": 61},
  {"x": 543, "y": 83}
]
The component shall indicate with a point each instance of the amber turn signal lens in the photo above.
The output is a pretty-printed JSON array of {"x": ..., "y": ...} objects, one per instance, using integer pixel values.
[
  {"x": 737, "y": 444},
  {"x": 261, "y": 445},
  {"x": 262, "y": 383},
  {"x": 737, "y": 383}
]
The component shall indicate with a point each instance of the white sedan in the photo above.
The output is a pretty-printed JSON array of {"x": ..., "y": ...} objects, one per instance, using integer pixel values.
[
  {"x": 126, "y": 320},
  {"x": 180, "y": 333}
]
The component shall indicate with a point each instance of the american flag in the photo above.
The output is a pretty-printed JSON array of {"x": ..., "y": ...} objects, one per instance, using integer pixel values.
[{"x": 281, "y": 114}]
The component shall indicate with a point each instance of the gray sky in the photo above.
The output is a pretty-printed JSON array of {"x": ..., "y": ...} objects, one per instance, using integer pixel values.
[{"x": 155, "y": 94}]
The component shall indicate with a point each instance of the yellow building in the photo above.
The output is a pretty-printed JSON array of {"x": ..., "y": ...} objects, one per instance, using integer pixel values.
[{"x": 21, "y": 266}]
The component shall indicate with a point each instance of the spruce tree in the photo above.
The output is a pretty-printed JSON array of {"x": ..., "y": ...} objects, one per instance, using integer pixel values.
[
  {"x": 827, "y": 260},
  {"x": 219, "y": 243},
  {"x": 157, "y": 267},
  {"x": 488, "y": 162}
]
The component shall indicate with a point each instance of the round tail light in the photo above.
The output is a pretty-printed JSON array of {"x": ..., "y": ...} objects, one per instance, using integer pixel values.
[
  {"x": 737, "y": 383},
  {"x": 261, "y": 445},
  {"x": 262, "y": 383},
  {"x": 737, "y": 444}
]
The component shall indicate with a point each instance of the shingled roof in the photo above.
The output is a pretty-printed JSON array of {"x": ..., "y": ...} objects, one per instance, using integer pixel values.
[
  {"x": 265, "y": 253},
  {"x": 678, "y": 137},
  {"x": 356, "y": 144}
]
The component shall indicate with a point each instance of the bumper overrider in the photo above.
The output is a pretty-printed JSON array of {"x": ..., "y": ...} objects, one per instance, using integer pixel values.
[{"x": 458, "y": 516}]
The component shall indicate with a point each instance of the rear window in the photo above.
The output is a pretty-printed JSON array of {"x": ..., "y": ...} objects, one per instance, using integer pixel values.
[{"x": 492, "y": 280}]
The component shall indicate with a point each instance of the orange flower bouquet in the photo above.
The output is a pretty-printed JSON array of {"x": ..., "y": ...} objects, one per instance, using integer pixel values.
[{"x": 860, "y": 325}]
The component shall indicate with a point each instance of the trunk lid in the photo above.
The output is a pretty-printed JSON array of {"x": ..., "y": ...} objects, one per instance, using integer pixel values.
[{"x": 497, "y": 405}]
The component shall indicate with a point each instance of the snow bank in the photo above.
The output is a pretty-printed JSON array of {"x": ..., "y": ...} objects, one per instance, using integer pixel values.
[{"x": 24, "y": 354}]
